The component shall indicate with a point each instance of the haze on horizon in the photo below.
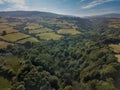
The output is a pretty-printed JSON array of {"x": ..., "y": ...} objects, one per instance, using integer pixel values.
[{"x": 67, "y": 7}]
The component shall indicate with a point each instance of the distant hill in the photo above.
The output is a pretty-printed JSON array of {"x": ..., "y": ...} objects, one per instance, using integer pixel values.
[
  {"x": 112, "y": 15},
  {"x": 27, "y": 14},
  {"x": 83, "y": 23}
]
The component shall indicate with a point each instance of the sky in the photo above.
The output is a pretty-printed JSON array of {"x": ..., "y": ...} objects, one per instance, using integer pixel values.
[{"x": 66, "y": 7}]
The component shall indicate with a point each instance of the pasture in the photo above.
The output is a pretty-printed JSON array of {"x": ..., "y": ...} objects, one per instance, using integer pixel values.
[
  {"x": 4, "y": 84},
  {"x": 4, "y": 44},
  {"x": 68, "y": 31},
  {"x": 14, "y": 37},
  {"x": 11, "y": 62},
  {"x": 41, "y": 30},
  {"x": 28, "y": 39},
  {"x": 49, "y": 36},
  {"x": 114, "y": 23},
  {"x": 8, "y": 30},
  {"x": 32, "y": 26},
  {"x": 116, "y": 47},
  {"x": 118, "y": 56}
]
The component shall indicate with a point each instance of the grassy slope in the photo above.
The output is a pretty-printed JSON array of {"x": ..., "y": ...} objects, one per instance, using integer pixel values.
[
  {"x": 49, "y": 36},
  {"x": 14, "y": 37},
  {"x": 3, "y": 44},
  {"x": 4, "y": 84},
  {"x": 116, "y": 49},
  {"x": 68, "y": 31},
  {"x": 28, "y": 39}
]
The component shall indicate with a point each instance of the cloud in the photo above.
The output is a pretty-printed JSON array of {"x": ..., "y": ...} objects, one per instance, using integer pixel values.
[
  {"x": 96, "y": 3},
  {"x": 82, "y": 0},
  {"x": 16, "y": 4},
  {"x": 1, "y": 2}
]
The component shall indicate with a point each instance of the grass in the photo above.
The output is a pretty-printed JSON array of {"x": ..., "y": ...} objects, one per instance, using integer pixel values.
[
  {"x": 114, "y": 23},
  {"x": 115, "y": 47},
  {"x": 8, "y": 30},
  {"x": 14, "y": 37},
  {"x": 66, "y": 26},
  {"x": 2, "y": 26},
  {"x": 118, "y": 56},
  {"x": 41, "y": 30},
  {"x": 33, "y": 26},
  {"x": 4, "y": 84},
  {"x": 68, "y": 31},
  {"x": 3, "y": 44},
  {"x": 28, "y": 39},
  {"x": 49, "y": 36},
  {"x": 14, "y": 24},
  {"x": 11, "y": 62}
]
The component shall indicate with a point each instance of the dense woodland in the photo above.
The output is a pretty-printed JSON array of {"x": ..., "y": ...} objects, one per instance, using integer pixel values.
[{"x": 82, "y": 61}]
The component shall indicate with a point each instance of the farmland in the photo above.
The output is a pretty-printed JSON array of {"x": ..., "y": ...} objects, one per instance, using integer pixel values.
[
  {"x": 118, "y": 57},
  {"x": 68, "y": 31},
  {"x": 14, "y": 37},
  {"x": 49, "y": 36},
  {"x": 41, "y": 30},
  {"x": 114, "y": 23},
  {"x": 115, "y": 47},
  {"x": 11, "y": 62},
  {"x": 28, "y": 39},
  {"x": 4, "y": 44},
  {"x": 32, "y": 26},
  {"x": 4, "y": 84},
  {"x": 8, "y": 30}
]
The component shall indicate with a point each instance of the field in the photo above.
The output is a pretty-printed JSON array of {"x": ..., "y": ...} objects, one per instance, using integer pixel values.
[
  {"x": 68, "y": 31},
  {"x": 14, "y": 37},
  {"x": 65, "y": 26},
  {"x": 4, "y": 84},
  {"x": 41, "y": 30},
  {"x": 8, "y": 30},
  {"x": 114, "y": 23},
  {"x": 115, "y": 47},
  {"x": 3, "y": 44},
  {"x": 33, "y": 26},
  {"x": 49, "y": 36},
  {"x": 118, "y": 56},
  {"x": 28, "y": 39},
  {"x": 11, "y": 62}
]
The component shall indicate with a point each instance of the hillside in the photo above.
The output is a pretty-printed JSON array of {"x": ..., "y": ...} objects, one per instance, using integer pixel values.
[{"x": 46, "y": 51}]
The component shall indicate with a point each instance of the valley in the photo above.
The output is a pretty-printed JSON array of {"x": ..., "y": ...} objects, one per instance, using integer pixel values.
[{"x": 47, "y": 51}]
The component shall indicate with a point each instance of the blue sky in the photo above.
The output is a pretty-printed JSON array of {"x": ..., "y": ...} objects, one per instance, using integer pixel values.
[{"x": 67, "y": 7}]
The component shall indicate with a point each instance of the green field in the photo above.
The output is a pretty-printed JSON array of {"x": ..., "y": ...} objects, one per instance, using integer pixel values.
[
  {"x": 33, "y": 26},
  {"x": 4, "y": 44},
  {"x": 118, "y": 56},
  {"x": 41, "y": 30},
  {"x": 4, "y": 84},
  {"x": 114, "y": 23},
  {"x": 8, "y": 30},
  {"x": 49, "y": 36},
  {"x": 14, "y": 37},
  {"x": 28, "y": 39},
  {"x": 11, "y": 62},
  {"x": 68, "y": 31},
  {"x": 115, "y": 47},
  {"x": 65, "y": 26}
]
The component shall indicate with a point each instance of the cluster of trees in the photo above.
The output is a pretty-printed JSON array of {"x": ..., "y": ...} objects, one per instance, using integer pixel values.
[{"x": 73, "y": 63}]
